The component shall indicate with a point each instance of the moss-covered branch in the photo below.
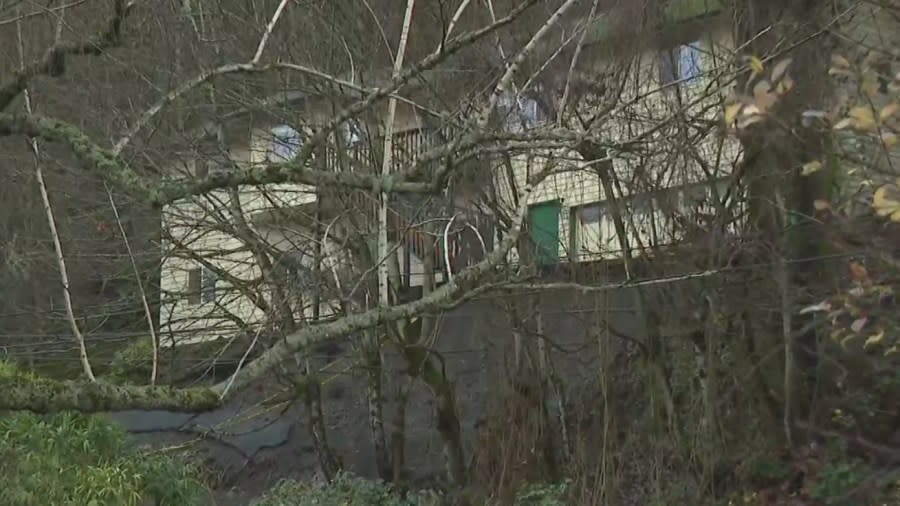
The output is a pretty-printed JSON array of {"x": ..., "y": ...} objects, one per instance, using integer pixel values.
[
  {"x": 22, "y": 392},
  {"x": 290, "y": 172},
  {"x": 88, "y": 153},
  {"x": 111, "y": 168}
]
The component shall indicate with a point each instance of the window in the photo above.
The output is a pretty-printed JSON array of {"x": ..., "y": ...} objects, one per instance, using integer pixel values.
[
  {"x": 667, "y": 208},
  {"x": 641, "y": 209},
  {"x": 299, "y": 274},
  {"x": 680, "y": 64},
  {"x": 208, "y": 285},
  {"x": 194, "y": 286},
  {"x": 587, "y": 233},
  {"x": 201, "y": 285},
  {"x": 201, "y": 168},
  {"x": 353, "y": 133},
  {"x": 519, "y": 112},
  {"x": 285, "y": 144}
]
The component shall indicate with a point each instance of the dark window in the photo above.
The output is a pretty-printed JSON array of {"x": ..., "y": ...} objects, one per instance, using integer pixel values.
[
  {"x": 208, "y": 288},
  {"x": 520, "y": 112},
  {"x": 201, "y": 168},
  {"x": 201, "y": 285},
  {"x": 585, "y": 230},
  {"x": 285, "y": 144},
  {"x": 194, "y": 286},
  {"x": 680, "y": 64}
]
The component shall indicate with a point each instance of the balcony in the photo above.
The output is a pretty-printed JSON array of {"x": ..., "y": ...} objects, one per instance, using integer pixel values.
[{"x": 416, "y": 222}]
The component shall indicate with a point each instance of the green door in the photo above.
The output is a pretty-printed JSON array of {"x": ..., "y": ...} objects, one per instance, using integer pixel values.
[{"x": 543, "y": 225}]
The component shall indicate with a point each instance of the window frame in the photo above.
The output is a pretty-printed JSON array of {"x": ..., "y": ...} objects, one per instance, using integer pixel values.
[
  {"x": 578, "y": 224},
  {"x": 670, "y": 64},
  {"x": 283, "y": 137},
  {"x": 208, "y": 285},
  {"x": 194, "y": 286}
]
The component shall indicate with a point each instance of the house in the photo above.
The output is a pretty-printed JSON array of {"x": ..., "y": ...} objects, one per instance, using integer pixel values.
[
  {"x": 218, "y": 256},
  {"x": 674, "y": 187}
]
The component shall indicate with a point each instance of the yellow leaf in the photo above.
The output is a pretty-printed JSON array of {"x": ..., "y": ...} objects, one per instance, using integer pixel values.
[
  {"x": 886, "y": 202},
  {"x": 863, "y": 118},
  {"x": 835, "y": 71},
  {"x": 746, "y": 121},
  {"x": 892, "y": 350},
  {"x": 821, "y": 205},
  {"x": 811, "y": 167},
  {"x": 869, "y": 85},
  {"x": 761, "y": 88},
  {"x": 858, "y": 271},
  {"x": 785, "y": 85},
  {"x": 874, "y": 339},
  {"x": 780, "y": 68},
  {"x": 844, "y": 123},
  {"x": 889, "y": 139},
  {"x": 839, "y": 61},
  {"x": 756, "y": 65},
  {"x": 846, "y": 340},
  {"x": 764, "y": 100},
  {"x": 751, "y": 110},
  {"x": 888, "y": 111},
  {"x": 731, "y": 112}
]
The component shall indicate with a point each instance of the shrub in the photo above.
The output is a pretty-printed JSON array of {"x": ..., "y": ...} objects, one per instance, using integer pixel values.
[
  {"x": 74, "y": 459},
  {"x": 133, "y": 363},
  {"x": 345, "y": 490},
  {"x": 543, "y": 495}
]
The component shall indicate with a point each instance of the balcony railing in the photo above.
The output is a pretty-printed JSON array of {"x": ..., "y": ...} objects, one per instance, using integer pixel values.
[{"x": 470, "y": 234}]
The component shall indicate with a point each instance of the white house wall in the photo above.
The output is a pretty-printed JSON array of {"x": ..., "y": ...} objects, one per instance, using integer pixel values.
[
  {"x": 574, "y": 183},
  {"x": 190, "y": 222}
]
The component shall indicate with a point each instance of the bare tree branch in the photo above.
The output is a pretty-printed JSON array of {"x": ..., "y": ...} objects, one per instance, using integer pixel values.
[{"x": 53, "y": 62}]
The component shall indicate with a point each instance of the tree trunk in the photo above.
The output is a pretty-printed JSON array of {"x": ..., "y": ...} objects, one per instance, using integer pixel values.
[
  {"x": 773, "y": 155},
  {"x": 317, "y": 431}
]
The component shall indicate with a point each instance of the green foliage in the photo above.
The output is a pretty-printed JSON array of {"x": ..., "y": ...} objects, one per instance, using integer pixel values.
[
  {"x": 543, "y": 495},
  {"x": 74, "y": 459},
  {"x": 837, "y": 480},
  {"x": 763, "y": 470},
  {"x": 133, "y": 363},
  {"x": 345, "y": 490}
]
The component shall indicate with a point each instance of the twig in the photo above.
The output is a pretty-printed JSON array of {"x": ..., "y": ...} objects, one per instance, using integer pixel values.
[
  {"x": 46, "y": 10},
  {"x": 265, "y": 38},
  {"x": 456, "y": 16},
  {"x": 447, "y": 249},
  {"x": 170, "y": 97},
  {"x": 137, "y": 276},
  {"x": 514, "y": 65},
  {"x": 53, "y": 62},
  {"x": 241, "y": 363},
  {"x": 568, "y": 88},
  {"x": 383, "y": 291}
]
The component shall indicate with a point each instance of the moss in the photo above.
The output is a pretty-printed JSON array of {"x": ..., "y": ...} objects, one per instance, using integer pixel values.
[{"x": 22, "y": 392}]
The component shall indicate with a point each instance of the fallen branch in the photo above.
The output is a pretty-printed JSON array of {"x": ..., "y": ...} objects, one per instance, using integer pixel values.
[{"x": 40, "y": 395}]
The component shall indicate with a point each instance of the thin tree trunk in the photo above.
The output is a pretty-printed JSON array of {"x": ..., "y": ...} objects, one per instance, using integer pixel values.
[
  {"x": 317, "y": 429},
  {"x": 375, "y": 395},
  {"x": 398, "y": 436},
  {"x": 151, "y": 327},
  {"x": 373, "y": 354},
  {"x": 51, "y": 222}
]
